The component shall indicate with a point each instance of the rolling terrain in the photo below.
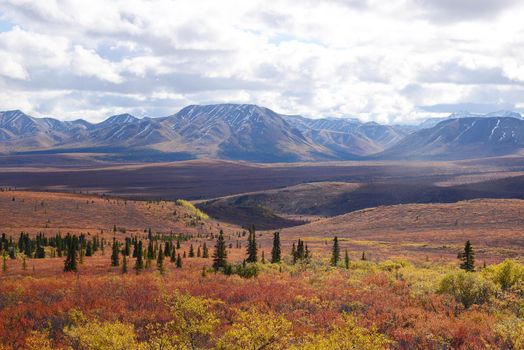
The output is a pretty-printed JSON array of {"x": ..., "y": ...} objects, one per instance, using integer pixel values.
[{"x": 496, "y": 226}]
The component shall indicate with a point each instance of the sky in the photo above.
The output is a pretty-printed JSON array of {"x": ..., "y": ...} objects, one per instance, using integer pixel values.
[{"x": 395, "y": 61}]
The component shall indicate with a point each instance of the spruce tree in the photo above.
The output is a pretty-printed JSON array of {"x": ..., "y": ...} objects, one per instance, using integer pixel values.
[
  {"x": 124, "y": 264},
  {"x": 276, "y": 252},
  {"x": 335, "y": 254},
  {"x": 346, "y": 260},
  {"x": 198, "y": 252},
  {"x": 468, "y": 258},
  {"x": 4, "y": 261},
  {"x": 160, "y": 261},
  {"x": 363, "y": 257},
  {"x": 40, "y": 252},
  {"x": 205, "y": 251},
  {"x": 252, "y": 249},
  {"x": 70, "y": 263},
  {"x": 220, "y": 253},
  {"x": 294, "y": 253},
  {"x": 139, "y": 262},
  {"x": 89, "y": 249},
  {"x": 178, "y": 261},
  {"x": 150, "y": 251},
  {"x": 115, "y": 258},
  {"x": 191, "y": 251}
]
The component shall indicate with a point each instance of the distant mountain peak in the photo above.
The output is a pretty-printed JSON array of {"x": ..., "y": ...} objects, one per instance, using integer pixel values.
[{"x": 124, "y": 118}]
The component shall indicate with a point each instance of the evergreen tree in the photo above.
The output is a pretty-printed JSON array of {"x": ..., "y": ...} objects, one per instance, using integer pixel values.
[
  {"x": 173, "y": 256},
  {"x": 346, "y": 260},
  {"x": 160, "y": 261},
  {"x": 139, "y": 262},
  {"x": 198, "y": 252},
  {"x": 363, "y": 257},
  {"x": 135, "y": 248},
  {"x": 127, "y": 247},
  {"x": 205, "y": 251},
  {"x": 124, "y": 264},
  {"x": 276, "y": 252},
  {"x": 191, "y": 251},
  {"x": 308, "y": 255},
  {"x": 263, "y": 260},
  {"x": 70, "y": 263},
  {"x": 178, "y": 243},
  {"x": 468, "y": 258},
  {"x": 294, "y": 253},
  {"x": 4, "y": 261},
  {"x": 220, "y": 253},
  {"x": 178, "y": 261},
  {"x": 115, "y": 258},
  {"x": 252, "y": 246},
  {"x": 89, "y": 249},
  {"x": 150, "y": 251},
  {"x": 40, "y": 252},
  {"x": 335, "y": 254}
]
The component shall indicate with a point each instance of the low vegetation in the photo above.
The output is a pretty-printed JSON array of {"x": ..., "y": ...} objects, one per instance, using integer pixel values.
[{"x": 299, "y": 299}]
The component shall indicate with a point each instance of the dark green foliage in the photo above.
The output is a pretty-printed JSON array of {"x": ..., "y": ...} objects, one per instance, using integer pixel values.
[
  {"x": 205, "y": 251},
  {"x": 191, "y": 251},
  {"x": 139, "y": 262},
  {"x": 124, "y": 264},
  {"x": 89, "y": 249},
  {"x": 276, "y": 252},
  {"x": 300, "y": 252},
  {"x": 346, "y": 260},
  {"x": 468, "y": 258},
  {"x": 178, "y": 261},
  {"x": 335, "y": 253},
  {"x": 70, "y": 263},
  {"x": 247, "y": 270},
  {"x": 252, "y": 249},
  {"x": 115, "y": 254},
  {"x": 220, "y": 253},
  {"x": 40, "y": 252},
  {"x": 160, "y": 261}
]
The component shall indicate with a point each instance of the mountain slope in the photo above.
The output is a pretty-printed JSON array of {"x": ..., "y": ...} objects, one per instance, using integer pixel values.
[{"x": 462, "y": 138}]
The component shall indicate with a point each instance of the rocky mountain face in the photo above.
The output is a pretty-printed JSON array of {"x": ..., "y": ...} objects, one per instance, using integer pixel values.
[
  {"x": 462, "y": 138},
  {"x": 258, "y": 134}
]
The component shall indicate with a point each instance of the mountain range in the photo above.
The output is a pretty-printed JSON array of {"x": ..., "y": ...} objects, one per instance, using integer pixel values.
[{"x": 258, "y": 134}]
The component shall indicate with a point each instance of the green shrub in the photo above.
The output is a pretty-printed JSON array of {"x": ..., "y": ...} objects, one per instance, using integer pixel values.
[
  {"x": 507, "y": 275},
  {"x": 468, "y": 288}
]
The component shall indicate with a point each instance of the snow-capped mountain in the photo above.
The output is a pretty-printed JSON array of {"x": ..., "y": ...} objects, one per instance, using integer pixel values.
[
  {"x": 462, "y": 138},
  {"x": 254, "y": 133}
]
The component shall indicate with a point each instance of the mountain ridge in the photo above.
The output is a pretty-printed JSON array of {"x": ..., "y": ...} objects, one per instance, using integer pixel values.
[{"x": 254, "y": 133}]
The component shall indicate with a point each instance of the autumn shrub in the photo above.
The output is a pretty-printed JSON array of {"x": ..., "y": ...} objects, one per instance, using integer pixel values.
[
  {"x": 247, "y": 270},
  {"x": 507, "y": 275},
  {"x": 96, "y": 335},
  {"x": 253, "y": 329},
  {"x": 467, "y": 288},
  {"x": 346, "y": 336},
  {"x": 192, "y": 319},
  {"x": 192, "y": 209},
  {"x": 511, "y": 331}
]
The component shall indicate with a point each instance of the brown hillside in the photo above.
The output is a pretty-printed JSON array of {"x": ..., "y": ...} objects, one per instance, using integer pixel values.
[
  {"x": 52, "y": 212},
  {"x": 495, "y": 227}
]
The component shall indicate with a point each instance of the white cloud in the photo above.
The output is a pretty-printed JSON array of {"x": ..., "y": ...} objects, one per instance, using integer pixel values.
[{"x": 388, "y": 61}]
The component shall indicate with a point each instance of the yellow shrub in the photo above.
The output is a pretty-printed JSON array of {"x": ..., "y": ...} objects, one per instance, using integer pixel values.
[
  {"x": 508, "y": 274},
  {"x": 194, "y": 210}
]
